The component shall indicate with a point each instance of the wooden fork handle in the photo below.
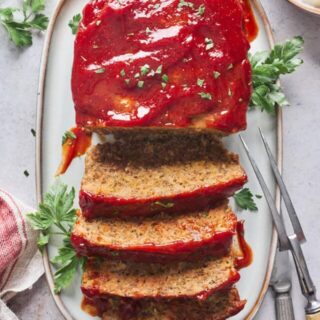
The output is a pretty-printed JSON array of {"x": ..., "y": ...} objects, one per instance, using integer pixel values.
[{"x": 314, "y": 316}]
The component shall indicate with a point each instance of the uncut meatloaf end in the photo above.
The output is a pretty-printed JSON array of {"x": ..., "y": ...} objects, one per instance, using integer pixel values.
[
  {"x": 110, "y": 90},
  {"x": 172, "y": 174},
  {"x": 219, "y": 306},
  {"x": 158, "y": 238},
  {"x": 106, "y": 278}
]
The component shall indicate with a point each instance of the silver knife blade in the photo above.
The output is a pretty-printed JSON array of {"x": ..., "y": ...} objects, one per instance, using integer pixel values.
[
  {"x": 281, "y": 274},
  {"x": 281, "y": 284}
]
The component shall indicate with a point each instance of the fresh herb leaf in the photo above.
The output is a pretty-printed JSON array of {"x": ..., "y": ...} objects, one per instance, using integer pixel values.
[
  {"x": 140, "y": 84},
  {"x": 165, "y": 78},
  {"x": 209, "y": 43},
  {"x": 201, "y": 10},
  {"x": 200, "y": 82},
  {"x": 74, "y": 23},
  {"x": 159, "y": 69},
  {"x": 205, "y": 95},
  {"x": 216, "y": 74},
  {"x": 100, "y": 70},
  {"x": 183, "y": 3},
  {"x": 144, "y": 69},
  {"x": 266, "y": 70},
  {"x": 244, "y": 200},
  {"x": 68, "y": 135},
  {"x": 164, "y": 205},
  {"x": 33, "y": 132},
  {"x": 122, "y": 73},
  {"x": 26, "y": 173},
  {"x": 19, "y": 23},
  {"x": 43, "y": 240},
  {"x": 57, "y": 211}
]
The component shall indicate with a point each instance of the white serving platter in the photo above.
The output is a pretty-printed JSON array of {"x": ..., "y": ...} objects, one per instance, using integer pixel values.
[{"x": 56, "y": 115}]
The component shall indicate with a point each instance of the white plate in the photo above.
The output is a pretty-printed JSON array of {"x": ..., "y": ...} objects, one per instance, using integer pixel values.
[
  {"x": 56, "y": 115},
  {"x": 304, "y": 5}
]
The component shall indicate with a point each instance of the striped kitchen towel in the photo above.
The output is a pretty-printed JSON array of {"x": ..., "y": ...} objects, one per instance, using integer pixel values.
[{"x": 20, "y": 261}]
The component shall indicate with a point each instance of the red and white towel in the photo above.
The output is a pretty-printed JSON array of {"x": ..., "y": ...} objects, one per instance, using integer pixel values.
[{"x": 20, "y": 261}]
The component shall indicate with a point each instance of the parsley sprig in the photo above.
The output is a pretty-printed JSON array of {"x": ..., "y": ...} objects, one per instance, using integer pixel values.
[
  {"x": 20, "y": 22},
  {"x": 74, "y": 23},
  {"x": 56, "y": 215},
  {"x": 266, "y": 70},
  {"x": 245, "y": 200}
]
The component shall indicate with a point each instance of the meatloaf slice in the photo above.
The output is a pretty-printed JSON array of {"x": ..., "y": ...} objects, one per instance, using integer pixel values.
[
  {"x": 159, "y": 238},
  {"x": 137, "y": 280},
  {"x": 219, "y": 306},
  {"x": 168, "y": 173}
]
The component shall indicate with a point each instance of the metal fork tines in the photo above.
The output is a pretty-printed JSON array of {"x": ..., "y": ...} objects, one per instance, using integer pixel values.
[{"x": 293, "y": 241}]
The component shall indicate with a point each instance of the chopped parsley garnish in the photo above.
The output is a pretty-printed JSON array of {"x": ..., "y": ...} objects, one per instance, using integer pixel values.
[
  {"x": 266, "y": 70},
  {"x": 74, "y": 23},
  {"x": 165, "y": 78},
  {"x": 140, "y": 84},
  {"x": 19, "y": 23},
  {"x": 163, "y": 85},
  {"x": 26, "y": 173},
  {"x": 244, "y": 200},
  {"x": 144, "y": 69},
  {"x": 164, "y": 205},
  {"x": 101, "y": 70},
  {"x": 200, "y": 82},
  {"x": 201, "y": 10},
  {"x": 68, "y": 135},
  {"x": 183, "y": 3},
  {"x": 209, "y": 43},
  {"x": 159, "y": 69},
  {"x": 205, "y": 95},
  {"x": 33, "y": 132},
  {"x": 122, "y": 73},
  {"x": 56, "y": 210},
  {"x": 216, "y": 74}
]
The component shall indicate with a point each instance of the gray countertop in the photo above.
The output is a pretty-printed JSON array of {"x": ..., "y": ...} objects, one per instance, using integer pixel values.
[{"x": 18, "y": 92}]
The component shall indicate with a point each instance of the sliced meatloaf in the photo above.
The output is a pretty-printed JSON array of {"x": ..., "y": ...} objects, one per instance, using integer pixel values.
[
  {"x": 158, "y": 238},
  {"x": 136, "y": 280},
  {"x": 219, "y": 306},
  {"x": 168, "y": 173}
]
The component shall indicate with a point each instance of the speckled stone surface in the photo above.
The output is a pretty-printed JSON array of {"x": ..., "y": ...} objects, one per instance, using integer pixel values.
[{"x": 18, "y": 92}]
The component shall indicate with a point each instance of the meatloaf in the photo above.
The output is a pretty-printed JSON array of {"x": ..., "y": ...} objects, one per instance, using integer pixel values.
[
  {"x": 164, "y": 65},
  {"x": 159, "y": 238},
  {"x": 136, "y": 280},
  {"x": 219, "y": 306},
  {"x": 169, "y": 173}
]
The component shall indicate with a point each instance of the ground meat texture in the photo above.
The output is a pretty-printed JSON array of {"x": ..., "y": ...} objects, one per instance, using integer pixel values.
[
  {"x": 199, "y": 279},
  {"x": 170, "y": 173},
  {"x": 158, "y": 238}
]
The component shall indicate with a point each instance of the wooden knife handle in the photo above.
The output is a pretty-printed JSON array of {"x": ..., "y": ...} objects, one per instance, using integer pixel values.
[
  {"x": 284, "y": 308},
  {"x": 314, "y": 316}
]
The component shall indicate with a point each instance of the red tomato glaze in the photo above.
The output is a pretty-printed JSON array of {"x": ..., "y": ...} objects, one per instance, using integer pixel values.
[
  {"x": 73, "y": 148},
  {"x": 169, "y": 63}
]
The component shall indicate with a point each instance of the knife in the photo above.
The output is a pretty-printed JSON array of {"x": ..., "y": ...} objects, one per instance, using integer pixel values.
[{"x": 281, "y": 284}]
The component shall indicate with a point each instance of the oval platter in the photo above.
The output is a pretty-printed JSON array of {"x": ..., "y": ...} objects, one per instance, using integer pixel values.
[
  {"x": 55, "y": 115},
  {"x": 305, "y": 6}
]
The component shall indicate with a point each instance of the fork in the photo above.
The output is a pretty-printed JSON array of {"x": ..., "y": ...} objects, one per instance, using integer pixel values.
[{"x": 291, "y": 242}]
